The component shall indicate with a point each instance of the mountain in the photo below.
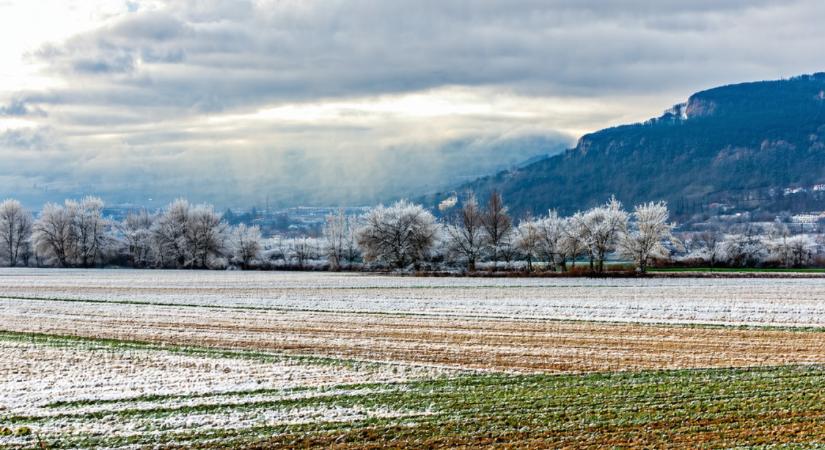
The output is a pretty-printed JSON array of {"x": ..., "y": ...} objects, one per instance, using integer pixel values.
[{"x": 757, "y": 147}]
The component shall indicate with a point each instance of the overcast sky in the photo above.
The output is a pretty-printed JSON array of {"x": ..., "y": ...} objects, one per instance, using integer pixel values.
[{"x": 346, "y": 101}]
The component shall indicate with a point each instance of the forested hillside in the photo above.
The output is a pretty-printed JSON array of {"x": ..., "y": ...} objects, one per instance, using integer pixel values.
[{"x": 756, "y": 147}]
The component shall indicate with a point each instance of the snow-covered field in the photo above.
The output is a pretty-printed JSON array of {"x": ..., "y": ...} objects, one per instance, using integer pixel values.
[
  {"x": 74, "y": 388},
  {"x": 129, "y": 354},
  {"x": 748, "y": 301}
]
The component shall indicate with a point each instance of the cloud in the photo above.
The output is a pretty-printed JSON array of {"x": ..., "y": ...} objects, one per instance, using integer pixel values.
[
  {"x": 19, "y": 108},
  {"x": 301, "y": 97}
]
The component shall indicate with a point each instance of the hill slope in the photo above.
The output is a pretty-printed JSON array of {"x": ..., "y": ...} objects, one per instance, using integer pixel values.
[{"x": 742, "y": 147}]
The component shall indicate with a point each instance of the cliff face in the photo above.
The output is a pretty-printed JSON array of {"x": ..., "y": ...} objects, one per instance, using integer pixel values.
[
  {"x": 699, "y": 107},
  {"x": 746, "y": 141}
]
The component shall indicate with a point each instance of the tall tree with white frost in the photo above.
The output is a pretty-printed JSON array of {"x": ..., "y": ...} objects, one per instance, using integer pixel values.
[
  {"x": 552, "y": 239},
  {"x": 337, "y": 235},
  {"x": 351, "y": 250},
  {"x": 52, "y": 234},
  {"x": 169, "y": 233},
  {"x": 601, "y": 227},
  {"x": 644, "y": 236},
  {"x": 466, "y": 233},
  {"x": 398, "y": 235},
  {"x": 136, "y": 234},
  {"x": 246, "y": 244},
  {"x": 573, "y": 243},
  {"x": 528, "y": 241},
  {"x": 89, "y": 230},
  {"x": 498, "y": 225},
  {"x": 15, "y": 230},
  {"x": 206, "y": 236}
]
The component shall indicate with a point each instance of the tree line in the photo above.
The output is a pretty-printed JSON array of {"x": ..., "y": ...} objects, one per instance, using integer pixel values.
[{"x": 402, "y": 236}]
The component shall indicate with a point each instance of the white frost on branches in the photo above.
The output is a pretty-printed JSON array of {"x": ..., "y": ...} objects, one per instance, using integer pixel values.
[{"x": 399, "y": 235}]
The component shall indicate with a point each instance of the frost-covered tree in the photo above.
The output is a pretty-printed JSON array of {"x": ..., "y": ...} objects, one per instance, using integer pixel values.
[
  {"x": 498, "y": 226},
  {"x": 552, "y": 242},
  {"x": 206, "y": 236},
  {"x": 89, "y": 230},
  {"x": 52, "y": 234},
  {"x": 135, "y": 231},
  {"x": 507, "y": 250},
  {"x": 398, "y": 235},
  {"x": 15, "y": 231},
  {"x": 574, "y": 243},
  {"x": 245, "y": 243},
  {"x": 792, "y": 251},
  {"x": 644, "y": 236},
  {"x": 745, "y": 249},
  {"x": 351, "y": 250},
  {"x": 304, "y": 250},
  {"x": 340, "y": 239},
  {"x": 465, "y": 235},
  {"x": 187, "y": 236},
  {"x": 601, "y": 228},
  {"x": 335, "y": 234},
  {"x": 802, "y": 250},
  {"x": 169, "y": 233},
  {"x": 528, "y": 241},
  {"x": 274, "y": 251},
  {"x": 709, "y": 247}
]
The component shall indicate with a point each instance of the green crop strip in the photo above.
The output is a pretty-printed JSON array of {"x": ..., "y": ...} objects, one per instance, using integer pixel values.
[{"x": 719, "y": 407}]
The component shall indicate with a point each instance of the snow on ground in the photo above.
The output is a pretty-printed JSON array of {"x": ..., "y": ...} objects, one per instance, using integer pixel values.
[
  {"x": 79, "y": 387},
  {"x": 410, "y": 328},
  {"x": 791, "y": 301}
]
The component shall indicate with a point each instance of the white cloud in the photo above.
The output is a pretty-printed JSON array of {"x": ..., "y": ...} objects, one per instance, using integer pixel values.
[{"x": 209, "y": 98}]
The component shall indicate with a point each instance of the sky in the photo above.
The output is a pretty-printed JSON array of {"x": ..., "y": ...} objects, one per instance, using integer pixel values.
[{"x": 351, "y": 102}]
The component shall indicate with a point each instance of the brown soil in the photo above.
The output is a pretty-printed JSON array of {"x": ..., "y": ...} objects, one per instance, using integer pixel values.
[{"x": 471, "y": 343}]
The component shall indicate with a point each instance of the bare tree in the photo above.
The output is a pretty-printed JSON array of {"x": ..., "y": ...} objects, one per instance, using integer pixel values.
[
  {"x": 643, "y": 237},
  {"x": 399, "y": 235},
  {"x": 498, "y": 225},
  {"x": 466, "y": 233},
  {"x": 246, "y": 244},
  {"x": 15, "y": 230}
]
